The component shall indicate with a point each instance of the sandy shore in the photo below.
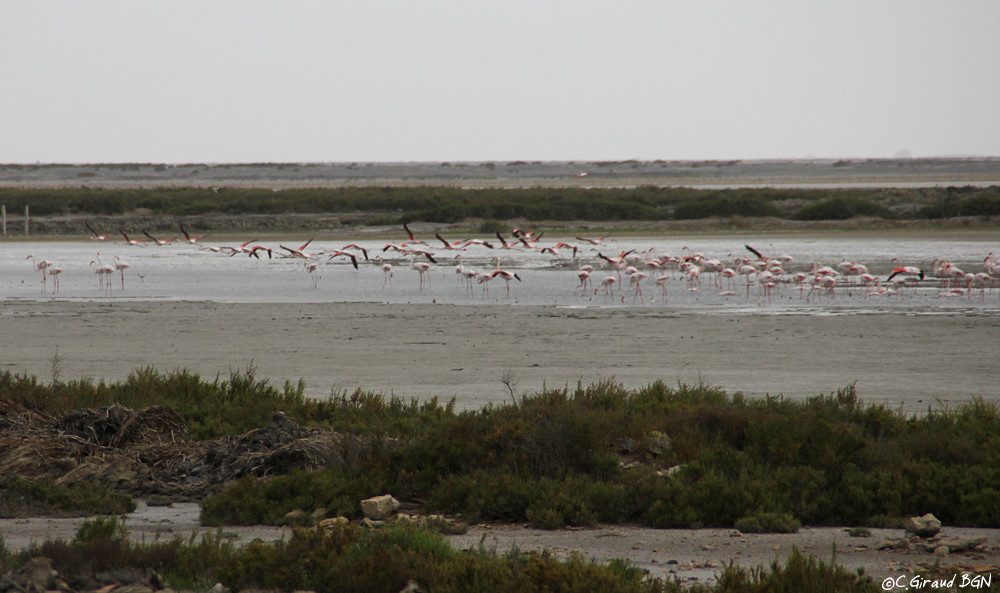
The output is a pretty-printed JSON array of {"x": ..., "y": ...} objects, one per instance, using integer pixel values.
[{"x": 906, "y": 361}]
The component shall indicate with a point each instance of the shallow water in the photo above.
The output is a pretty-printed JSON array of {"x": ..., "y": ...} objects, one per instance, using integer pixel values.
[{"x": 186, "y": 273}]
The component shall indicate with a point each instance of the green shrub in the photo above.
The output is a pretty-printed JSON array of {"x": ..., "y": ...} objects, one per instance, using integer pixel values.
[
  {"x": 842, "y": 208},
  {"x": 769, "y": 523},
  {"x": 20, "y": 497}
]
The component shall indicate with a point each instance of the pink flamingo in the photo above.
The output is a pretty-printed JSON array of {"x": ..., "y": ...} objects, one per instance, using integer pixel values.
[
  {"x": 386, "y": 271},
  {"x": 40, "y": 266},
  {"x": 354, "y": 260},
  {"x": 103, "y": 274},
  {"x": 634, "y": 279},
  {"x": 159, "y": 242},
  {"x": 54, "y": 271},
  {"x": 311, "y": 268},
  {"x": 121, "y": 266},
  {"x": 507, "y": 277},
  {"x": 132, "y": 242},
  {"x": 189, "y": 238},
  {"x": 94, "y": 234},
  {"x": 298, "y": 252},
  {"x": 608, "y": 284},
  {"x": 421, "y": 268}
]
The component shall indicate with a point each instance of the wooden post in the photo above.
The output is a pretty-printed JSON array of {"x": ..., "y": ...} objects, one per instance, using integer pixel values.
[
  {"x": 25, "y": 219},
  {"x": 3, "y": 209}
]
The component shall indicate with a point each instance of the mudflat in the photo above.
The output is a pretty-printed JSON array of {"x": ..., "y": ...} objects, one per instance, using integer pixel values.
[{"x": 480, "y": 354}]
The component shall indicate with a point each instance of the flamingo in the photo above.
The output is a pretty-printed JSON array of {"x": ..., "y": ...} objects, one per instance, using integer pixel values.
[
  {"x": 298, "y": 252},
  {"x": 189, "y": 238},
  {"x": 457, "y": 245},
  {"x": 354, "y": 260},
  {"x": 460, "y": 270},
  {"x": 608, "y": 284},
  {"x": 662, "y": 283},
  {"x": 562, "y": 245},
  {"x": 103, "y": 274},
  {"x": 54, "y": 271},
  {"x": 132, "y": 242},
  {"x": 584, "y": 276},
  {"x": 485, "y": 244},
  {"x": 242, "y": 248},
  {"x": 386, "y": 271},
  {"x": 504, "y": 244},
  {"x": 121, "y": 266},
  {"x": 410, "y": 235},
  {"x": 507, "y": 277},
  {"x": 159, "y": 242},
  {"x": 364, "y": 251},
  {"x": 311, "y": 268},
  {"x": 95, "y": 236},
  {"x": 40, "y": 266},
  {"x": 908, "y": 270},
  {"x": 634, "y": 279},
  {"x": 255, "y": 251},
  {"x": 421, "y": 268},
  {"x": 484, "y": 278}
]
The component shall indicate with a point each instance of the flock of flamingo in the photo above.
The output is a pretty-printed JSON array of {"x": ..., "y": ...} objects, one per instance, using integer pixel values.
[{"x": 624, "y": 271}]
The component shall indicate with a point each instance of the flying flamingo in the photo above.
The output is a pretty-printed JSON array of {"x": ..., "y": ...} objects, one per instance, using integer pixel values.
[
  {"x": 562, "y": 245},
  {"x": 354, "y": 260},
  {"x": 132, "y": 242},
  {"x": 410, "y": 235},
  {"x": 254, "y": 251},
  {"x": 504, "y": 244},
  {"x": 485, "y": 244},
  {"x": 364, "y": 251},
  {"x": 94, "y": 234},
  {"x": 457, "y": 245},
  {"x": 159, "y": 242},
  {"x": 242, "y": 248},
  {"x": 189, "y": 238},
  {"x": 907, "y": 270},
  {"x": 298, "y": 252}
]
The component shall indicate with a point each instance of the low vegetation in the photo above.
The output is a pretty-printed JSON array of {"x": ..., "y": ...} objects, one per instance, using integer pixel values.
[
  {"x": 685, "y": 456},
  {"x": 395, "y": 205},
  {"x": 350, "y": 559}
]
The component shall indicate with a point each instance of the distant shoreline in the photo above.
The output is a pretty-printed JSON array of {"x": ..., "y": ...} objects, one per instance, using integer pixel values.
[{"x": 515, "y": 174}]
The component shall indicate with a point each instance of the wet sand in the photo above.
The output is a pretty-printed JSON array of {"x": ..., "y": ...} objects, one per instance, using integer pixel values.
[{"x": 419, "y": 351}]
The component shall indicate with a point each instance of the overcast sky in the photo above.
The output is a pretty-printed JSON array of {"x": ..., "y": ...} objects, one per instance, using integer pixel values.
[{"x": 292, "y": 81}]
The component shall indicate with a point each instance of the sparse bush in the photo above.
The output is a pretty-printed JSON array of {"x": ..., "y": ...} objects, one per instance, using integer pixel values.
[
  {"x": 20, "y": 497},
  {"x": 769, "y": 523}
]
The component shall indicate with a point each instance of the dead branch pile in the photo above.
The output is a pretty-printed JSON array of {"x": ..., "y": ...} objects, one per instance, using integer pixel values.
[{"x": 148, "y": 451}]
